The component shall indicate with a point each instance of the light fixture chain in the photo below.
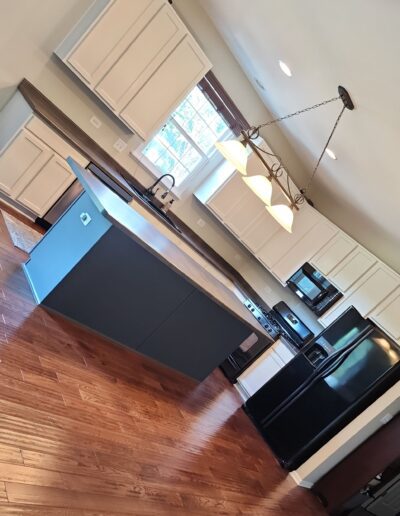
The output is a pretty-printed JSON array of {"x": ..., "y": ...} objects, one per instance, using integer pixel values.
[
  {"x": 315, "y": 106},
  {"x": 304, "y": 190}
]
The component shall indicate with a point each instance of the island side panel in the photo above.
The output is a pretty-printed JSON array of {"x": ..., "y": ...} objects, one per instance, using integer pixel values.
[
  {"x": 120, "y": 290},
  {"x": 197, "y": 337},
  {"x": 64, "y": 245}
]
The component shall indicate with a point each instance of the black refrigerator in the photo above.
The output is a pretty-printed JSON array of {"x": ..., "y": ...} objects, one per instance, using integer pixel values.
[{"x": 331, "y": 381}]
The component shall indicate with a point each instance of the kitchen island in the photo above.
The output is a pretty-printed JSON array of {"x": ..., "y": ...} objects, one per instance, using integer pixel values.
[{"x": 106, "y": 267}]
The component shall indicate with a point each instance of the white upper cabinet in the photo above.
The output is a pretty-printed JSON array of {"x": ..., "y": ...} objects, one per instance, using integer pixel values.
[
  {"x": 311, "y": 242},
  {"x": 352, "y": 268},
  {"x": 245, "y": 212},
  {"x": 387, "y": 315},
  {"x": 20, "y": 161},
  {"x": 333, "y": 253},
  {"x": 138, "y": 57},
  {"x": 47, "y": 186},
  {"x": 260, "y": 231},
  {"x": 164, "y": 90},
  {"x": 144, "y": 55},
  {"x": 118, "y": 23},
  {"x": 283, "y": 241},
  {"x": 227, "y": 197},
  {"x": 371, "y": 290}
]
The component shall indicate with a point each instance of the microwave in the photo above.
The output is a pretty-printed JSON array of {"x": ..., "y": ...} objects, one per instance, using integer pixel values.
[{"x": 314, "y": 289}]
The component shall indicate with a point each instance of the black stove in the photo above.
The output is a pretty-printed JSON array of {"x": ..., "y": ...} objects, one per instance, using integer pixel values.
[{"x": 281, "y": 321}]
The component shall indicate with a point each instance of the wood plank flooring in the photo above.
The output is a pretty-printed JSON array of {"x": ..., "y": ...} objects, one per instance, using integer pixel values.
[{"x": 88, "y": 428}]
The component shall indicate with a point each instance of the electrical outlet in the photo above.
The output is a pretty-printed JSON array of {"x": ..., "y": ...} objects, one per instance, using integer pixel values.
[
  {"x": 120, "y": 145},
  {"x": 95, "y": 122},
  {"x": 201, "y": 223}
]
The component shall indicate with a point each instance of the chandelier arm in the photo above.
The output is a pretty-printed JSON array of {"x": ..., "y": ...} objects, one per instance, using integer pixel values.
[
  {"x": 285, "y": 117},
  {"x": 271, "y": 174},
  {"x": 304, "y": 190}
]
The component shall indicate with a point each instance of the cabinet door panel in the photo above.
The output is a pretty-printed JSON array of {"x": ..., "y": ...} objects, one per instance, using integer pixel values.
[
  {"x": 224, "y": 201},
  {"x": 351, "y": 269},
  {"x": 110, "y": 35},
  {"x": 387, "y": 315},
  {"x": 145, "y": 53},
  {"x": 20, "y": 161},
  {"x": 47, "y": 186},
  {"x": 262, "y": 370},
  {"x": 245, "y": 212},
  {"x": 262, "y": 230},
  {"x": 54, "y": 141},
  {"x": 301, "y": 252},
  {"x": 282, "y": 242},
  {"x": 333, "y": 253},
  {"x": 375, "y": 288},
  {"x": 166, "y": 88}
]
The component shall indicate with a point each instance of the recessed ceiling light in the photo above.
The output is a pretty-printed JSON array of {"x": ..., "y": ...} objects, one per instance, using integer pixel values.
[
  {"x": 285, "y": 69},
  {"x": 331, "y": 154}
]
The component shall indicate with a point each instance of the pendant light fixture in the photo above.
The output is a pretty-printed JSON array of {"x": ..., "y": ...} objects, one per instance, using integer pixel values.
[{"x": 235, "y": 151}]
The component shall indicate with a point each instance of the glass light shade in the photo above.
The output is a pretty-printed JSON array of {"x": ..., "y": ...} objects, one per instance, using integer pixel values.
[
  {"x": 261, "y": 186},
  {"x": 282, "y": 214},
  {"x": 235, "y": 152}
]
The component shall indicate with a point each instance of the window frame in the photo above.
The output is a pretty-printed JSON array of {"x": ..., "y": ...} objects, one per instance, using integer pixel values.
[{"x": 226, "y": 108}]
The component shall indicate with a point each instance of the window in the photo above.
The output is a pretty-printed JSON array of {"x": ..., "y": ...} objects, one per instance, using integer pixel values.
[{"x": 186, "y": 142}]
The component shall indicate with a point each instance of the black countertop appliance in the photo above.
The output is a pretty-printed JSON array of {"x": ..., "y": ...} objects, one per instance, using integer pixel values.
[
  {"x": 313, "y": 289},
  {"x": 330, "y": 382}
]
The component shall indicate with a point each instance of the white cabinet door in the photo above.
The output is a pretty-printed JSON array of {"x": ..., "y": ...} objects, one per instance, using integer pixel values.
[
  {"x": 351, "y": 269},
  {"x": 245, "y": 212},
  {"x": 226, "y": 198},
  {"x": 302, "y": 251},
  {"x": 282, "y": 241},
  {"x": 262, "y": 370},
  {"x": 109, "y": 36},
  {"x": 387, "y": 315},
  {"x": 144, "y": 55},
  {"x": 166, "y": 88},
  {"x": 20, "y": 161},
  {"x": 260, "y": 231},
  {"x": 47, "y": 186},
  {"x": 374, "y": 288},
  {"x": 333, "y": 253}
]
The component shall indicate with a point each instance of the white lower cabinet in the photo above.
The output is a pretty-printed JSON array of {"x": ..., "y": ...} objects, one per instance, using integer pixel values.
[
  {"x": 264, "y": 368},
  {"x": 387, "y": 315},
  {"x": 33, "y": 170},
  {"x": 47, "y": 186},
  {"x": 20, "y": 161},
  {"x": 367, "y": 294}
]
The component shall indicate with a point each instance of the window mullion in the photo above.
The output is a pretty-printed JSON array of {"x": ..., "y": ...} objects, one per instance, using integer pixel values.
[{"x": 188, "y": 137}]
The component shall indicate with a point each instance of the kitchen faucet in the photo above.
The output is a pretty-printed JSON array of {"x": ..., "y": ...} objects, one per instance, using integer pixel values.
[{"x": 150, "y": 191}]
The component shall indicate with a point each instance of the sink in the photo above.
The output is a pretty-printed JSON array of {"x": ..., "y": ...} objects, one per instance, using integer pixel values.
[{"x": 155, "y": 208}]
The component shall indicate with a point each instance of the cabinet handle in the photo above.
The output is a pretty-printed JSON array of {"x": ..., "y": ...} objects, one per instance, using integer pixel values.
[{"x": 85, "y": 218}]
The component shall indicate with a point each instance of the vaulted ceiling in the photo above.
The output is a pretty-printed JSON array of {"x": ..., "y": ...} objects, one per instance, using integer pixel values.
[{"x": 326, "y": 43}]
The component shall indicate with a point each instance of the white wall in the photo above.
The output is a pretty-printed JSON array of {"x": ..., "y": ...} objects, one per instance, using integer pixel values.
[{"x": 29, "y": 32}]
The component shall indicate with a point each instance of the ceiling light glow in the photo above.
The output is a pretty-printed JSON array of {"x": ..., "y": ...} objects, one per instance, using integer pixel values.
[
  {"x": 285, "y": 69},
  {"x": 330, "y": 153}
]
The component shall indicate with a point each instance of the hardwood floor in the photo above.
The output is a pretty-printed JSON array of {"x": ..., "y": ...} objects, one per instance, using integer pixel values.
[{"x": 88, "y": 428}]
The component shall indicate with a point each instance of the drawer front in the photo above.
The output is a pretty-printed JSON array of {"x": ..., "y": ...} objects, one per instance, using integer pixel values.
[{"x": 351, "y": 269}]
